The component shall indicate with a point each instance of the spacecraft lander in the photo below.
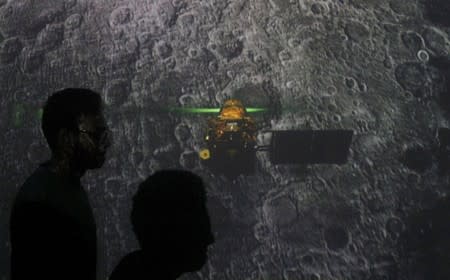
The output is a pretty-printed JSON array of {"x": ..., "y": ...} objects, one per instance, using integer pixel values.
[{"x": 231, "y": 141}]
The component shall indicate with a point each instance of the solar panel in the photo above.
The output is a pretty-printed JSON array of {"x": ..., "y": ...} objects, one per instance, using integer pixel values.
[
  {"x": 443, "y": 155},
  {"x": 310, "y": 146}
]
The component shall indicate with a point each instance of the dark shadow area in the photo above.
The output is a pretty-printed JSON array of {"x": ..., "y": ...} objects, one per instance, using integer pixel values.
[
  {"x": 52, "y": 227},
  {"x": 437, "y": 11},
  {"x": 232, "y": 162},
  {"x": 310, "y": 146},
  {"x": 172, "y": 225},
  {"x": 443, "y": 155},
  {"x": 442, "y": 64},
  {"x": 417, "y": 158},
  {"x": 425, "y": 245}
]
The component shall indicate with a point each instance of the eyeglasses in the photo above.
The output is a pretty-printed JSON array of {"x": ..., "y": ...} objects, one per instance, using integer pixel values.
[{"x": 99, "y": 136}]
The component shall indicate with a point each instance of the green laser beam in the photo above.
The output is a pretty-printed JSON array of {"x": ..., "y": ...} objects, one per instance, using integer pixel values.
[
  {"x": 40, "y": 112},
  {"x": 255, "y": 110},
  {"x": 196, "y": 110},
  {"x": 19, "y": 115}
]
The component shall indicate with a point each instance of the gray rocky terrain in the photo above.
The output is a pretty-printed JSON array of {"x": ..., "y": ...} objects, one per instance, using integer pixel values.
[{"x": 378, "y": 67}]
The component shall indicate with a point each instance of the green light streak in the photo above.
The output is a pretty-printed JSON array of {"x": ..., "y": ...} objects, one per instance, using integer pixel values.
[
  {"x": 197, "y": 110},
  {"x": 40, "y": 112},
  {"x": 19, "y": 115},
  {"x": 255, "y": 110}
]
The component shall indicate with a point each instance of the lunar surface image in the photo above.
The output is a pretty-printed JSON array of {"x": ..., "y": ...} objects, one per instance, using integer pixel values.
[{"x": 379, "y": 68}]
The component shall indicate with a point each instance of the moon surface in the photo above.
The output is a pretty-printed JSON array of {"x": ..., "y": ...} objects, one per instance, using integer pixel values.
[{"x": 380, "y": 68}]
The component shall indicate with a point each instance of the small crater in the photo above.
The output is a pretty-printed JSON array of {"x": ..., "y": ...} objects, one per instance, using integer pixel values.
[
  {"x": 101, "y": 70},
  {"x": 262, "y": 232},
  {"x": 117, "y": 92},
  {"x": 388, "y": 63},
  {"x": 73, "y": 22},
  {"x": 163, "y": 49},
  {"x": 188, "y": 159},
  {"x": 362, "y": 87},
  {"x": 145, "y": 39},
  {"x": 178, "y": 3},
  {"x": 193, "y": 52},
  {"x": 294, "y": 42},
  {"x": 280, "y": 212},
  {"x": 228, "y": 45},
  {"x": 336, "y": 118},
  {"x": 284, "y": 55},
  {"x": 50, "y": 37},
  {"x": 402, "y": 7},
  {"x": 356, "y": 31},
  {"x": 436, "y": 41},
  {"x": 69, "y": 3},
  {"x": 182, "y": 132},
  {"x": 213, "y": 66},
  {"x": 167, "y": 14},
  {"x": 121, "y": 15},
  {"x": 186, "y": 20},
  {"x": 170, "y": 63},
  {"x": 394, "y": 227},
  {"x": 10, "y": 49},
  {"x": 290, "y": 84},
  {"x": 412, "y": 41},
  {"x": 187, "y": 100},
  {"x": 336, "y": 238},
  {"x": 307, "y": 260},
  {"x": 412, "y": 77},
  {"x": 423, "y": 56},
  {"x": 350, "y": 82},
  {"x": 317, "y": 8}
]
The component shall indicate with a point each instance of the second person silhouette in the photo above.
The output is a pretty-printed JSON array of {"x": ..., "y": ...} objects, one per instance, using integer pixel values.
[{"x": 172, "y": 225}]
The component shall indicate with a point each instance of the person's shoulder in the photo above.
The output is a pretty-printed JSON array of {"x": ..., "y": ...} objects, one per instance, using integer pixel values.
[
  {"x": 36, "y": 186},
  {"x": 129, "y": 267}
]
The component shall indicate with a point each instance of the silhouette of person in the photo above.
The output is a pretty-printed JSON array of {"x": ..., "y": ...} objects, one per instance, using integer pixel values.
[
  {"x": 172, "y": 225},
  {"x": 52, "y": 228}
]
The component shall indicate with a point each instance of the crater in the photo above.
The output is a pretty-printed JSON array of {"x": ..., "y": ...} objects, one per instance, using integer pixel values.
[{"x": 336, "y": 237}]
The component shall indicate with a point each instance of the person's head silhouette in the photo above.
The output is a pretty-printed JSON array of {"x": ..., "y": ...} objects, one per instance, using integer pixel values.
[
  {"x": 52, "y": 203},
  {"x": 75, "y": 129},
  {"x": 171, "y": 222}
]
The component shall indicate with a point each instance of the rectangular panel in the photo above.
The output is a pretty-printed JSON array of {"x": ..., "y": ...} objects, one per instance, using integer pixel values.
[
  {"x": 310, "y": 146},
  {"x": 443, "y": 155}
]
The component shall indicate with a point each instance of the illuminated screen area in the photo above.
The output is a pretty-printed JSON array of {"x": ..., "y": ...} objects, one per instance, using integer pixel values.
[{"x": 321, "y": 129}]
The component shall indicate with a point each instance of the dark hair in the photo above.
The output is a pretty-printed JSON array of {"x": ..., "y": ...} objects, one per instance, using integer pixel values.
[
  {"x": 165, "y": 201},
  {"x": 63, "y": 109}
]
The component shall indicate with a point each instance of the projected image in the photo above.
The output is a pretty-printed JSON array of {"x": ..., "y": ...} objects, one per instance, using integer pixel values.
[{"x": 231, "y": 141}]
